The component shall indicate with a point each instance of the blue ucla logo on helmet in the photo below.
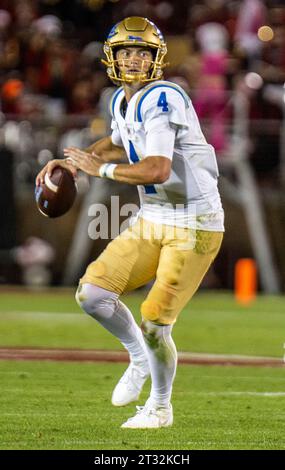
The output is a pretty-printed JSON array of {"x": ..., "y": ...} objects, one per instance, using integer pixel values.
[{"x": 135, "y": 38}]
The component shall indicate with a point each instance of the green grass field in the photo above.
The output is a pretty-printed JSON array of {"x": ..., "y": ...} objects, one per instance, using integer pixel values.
[
  {"x": 211, "y": 323},
  {"x": 50, "y": 405}
]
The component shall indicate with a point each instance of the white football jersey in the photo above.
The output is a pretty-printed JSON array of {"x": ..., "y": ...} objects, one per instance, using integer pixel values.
[{"x": 160, "y": 121}]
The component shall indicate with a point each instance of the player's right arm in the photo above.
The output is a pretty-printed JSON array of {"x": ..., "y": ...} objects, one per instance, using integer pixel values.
[{"x": 104, "y": 150}]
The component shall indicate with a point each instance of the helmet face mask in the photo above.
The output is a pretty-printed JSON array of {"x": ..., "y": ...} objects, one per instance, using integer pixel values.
[
  {"x": 141, "y": 33},
  {"x": 134, "y": 64}
]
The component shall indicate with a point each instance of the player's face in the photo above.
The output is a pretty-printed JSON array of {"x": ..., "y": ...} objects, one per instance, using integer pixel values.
[{"x": 134, "y": 60}]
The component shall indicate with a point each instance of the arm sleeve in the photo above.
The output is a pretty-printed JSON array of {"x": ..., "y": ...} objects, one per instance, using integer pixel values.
[
  {"x": 162, "y": 122},
  {"x": 160, "y": 138}
]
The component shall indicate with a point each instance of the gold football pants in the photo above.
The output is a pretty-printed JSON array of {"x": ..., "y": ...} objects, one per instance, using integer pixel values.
[{"x": 178, "y": 259}]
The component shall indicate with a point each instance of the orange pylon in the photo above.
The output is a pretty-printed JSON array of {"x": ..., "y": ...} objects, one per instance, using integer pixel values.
[{"x": 245, "y": 284}]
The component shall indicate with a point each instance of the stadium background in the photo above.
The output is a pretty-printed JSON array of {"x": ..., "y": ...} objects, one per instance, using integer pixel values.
[
  {"x": 229, "y": 389},
  {"x": 229, "y": 56}
]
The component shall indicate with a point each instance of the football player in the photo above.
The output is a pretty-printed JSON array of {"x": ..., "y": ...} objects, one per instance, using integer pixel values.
[{"x": 179, "y": 228}]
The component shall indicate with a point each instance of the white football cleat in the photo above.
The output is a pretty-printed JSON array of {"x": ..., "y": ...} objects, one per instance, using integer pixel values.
[
  {"x": 148, "y": 417},
  {"x": 129, "y": 387}
]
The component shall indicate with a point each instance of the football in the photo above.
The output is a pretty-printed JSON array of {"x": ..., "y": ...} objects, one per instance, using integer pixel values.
[{"x": 56, "y": 195}]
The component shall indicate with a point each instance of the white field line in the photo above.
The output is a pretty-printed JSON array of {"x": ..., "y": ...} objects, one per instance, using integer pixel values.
[
  {"x": 240, "y": 393},
  {"x": 216, "y": 377},
  {"x": 44, "y": 314},
  {"x": 188, "y": 392},
  {"x": 224, "y": 312}
]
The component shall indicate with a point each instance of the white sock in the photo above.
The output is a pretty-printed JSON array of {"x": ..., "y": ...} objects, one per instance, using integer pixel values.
[
  {"x": 162, "y": 358},
  {"x": 115, "y": 317}
]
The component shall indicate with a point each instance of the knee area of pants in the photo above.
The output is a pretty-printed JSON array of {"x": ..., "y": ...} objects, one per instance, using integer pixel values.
[
  {"x": 150, "y": 310},
  {"x": 155, "y": 312},
  {"x": 95, "y": 301},
  {"x": 84, "y": 299}
]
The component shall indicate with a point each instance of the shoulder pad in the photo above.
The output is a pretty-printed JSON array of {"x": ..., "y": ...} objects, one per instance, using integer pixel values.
[{"x": 158, "y": 87}]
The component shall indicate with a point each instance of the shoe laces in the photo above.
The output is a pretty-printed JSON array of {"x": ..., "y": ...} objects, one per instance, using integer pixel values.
[
  {"x": 146, "y": 410},
  {"x": 131, "y": 374}
]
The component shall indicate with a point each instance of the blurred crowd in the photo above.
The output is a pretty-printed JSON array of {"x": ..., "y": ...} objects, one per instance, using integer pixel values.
[
  {"x": 50, "y": 53},
  {"x": 54, "y": 90}
]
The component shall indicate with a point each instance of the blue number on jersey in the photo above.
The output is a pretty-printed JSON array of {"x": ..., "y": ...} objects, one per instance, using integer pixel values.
[
  {"x": 162, "y": 101},
  {"x": 149, "y": 188}
]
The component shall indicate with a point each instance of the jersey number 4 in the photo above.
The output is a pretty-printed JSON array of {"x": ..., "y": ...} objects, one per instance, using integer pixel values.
[{"x": 162, "y": 101}]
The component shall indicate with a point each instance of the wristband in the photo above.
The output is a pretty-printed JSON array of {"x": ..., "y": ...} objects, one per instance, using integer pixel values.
[{"x": 107, "y": 170}]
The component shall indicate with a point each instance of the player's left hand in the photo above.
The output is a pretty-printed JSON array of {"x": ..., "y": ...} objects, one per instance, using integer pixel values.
[{"x": 82, "y": 160}]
